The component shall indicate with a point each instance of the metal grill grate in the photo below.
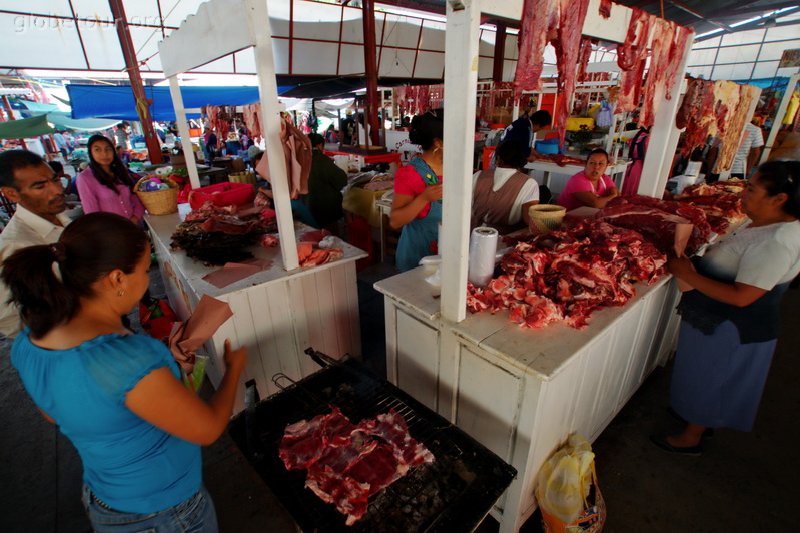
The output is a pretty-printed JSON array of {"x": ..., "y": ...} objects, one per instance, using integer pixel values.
[{"x": 454, "y": 493}]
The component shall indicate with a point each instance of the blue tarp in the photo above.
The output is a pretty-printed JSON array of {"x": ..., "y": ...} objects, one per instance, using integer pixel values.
[
  {"x": 767, "y": 83},
  {"x": 117, "y": 101}
]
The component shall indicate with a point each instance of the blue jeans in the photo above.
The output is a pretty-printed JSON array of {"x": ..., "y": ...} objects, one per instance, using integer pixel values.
[{"x": 194, "y": 515}]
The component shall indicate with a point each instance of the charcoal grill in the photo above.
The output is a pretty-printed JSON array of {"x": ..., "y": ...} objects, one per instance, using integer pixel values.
[{"x": 454, "y": 493}]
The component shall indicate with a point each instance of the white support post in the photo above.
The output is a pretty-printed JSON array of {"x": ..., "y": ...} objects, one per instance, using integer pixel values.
[
  {"x": 271, "y": 124},
  {"x": 460, "y": 80},
  {"x": 663, "y": 138},
  {"x": 183, "y": 129},
  {"x": 776, "y": 124}
]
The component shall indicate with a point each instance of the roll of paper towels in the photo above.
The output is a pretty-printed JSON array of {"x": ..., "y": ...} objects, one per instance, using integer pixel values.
[{"x": 482, "y": 248}]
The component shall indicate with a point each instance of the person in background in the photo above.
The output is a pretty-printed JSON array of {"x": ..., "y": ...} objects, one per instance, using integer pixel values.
[
  {"x": 325, "y": 184},
  {"x": 730, "y": 317},
  {"x": 330, "y": 135},
  {"x": 26, "y": 179},
  {"x": 300, "y": 209},
  {"x": 417, "y": 203},
  {"x": 61, "y": 144},
  {"x": 638, "y": 148},
  {"x": 347, "y": 129},
  {"x": 232, "y": 145},
  {"x": 524, "y": 129},
  {"x": 590, "y": 187},
  {"x": 58, "y": 168},
  {"x": 123, "y": 155},
  {"x": 107, "y": 184},
  {"x": 121, "y": 135},
  {"x": 116, "y": 396},
  {"x": 244, "y": 139},
  {"x": 210, "y": 143},
  {"x": 502, "y": 197},
  {"x": 746, "y": 158},
  {"x": 70, "y": 140}
]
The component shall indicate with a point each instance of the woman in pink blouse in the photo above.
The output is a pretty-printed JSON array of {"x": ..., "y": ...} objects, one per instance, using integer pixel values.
[
  {"x": 107, "y": 184},
  {"x": 591, "y": 186}
]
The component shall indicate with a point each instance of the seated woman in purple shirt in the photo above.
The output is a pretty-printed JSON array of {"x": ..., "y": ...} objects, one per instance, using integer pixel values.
[
  {"x": 591, "y": 186},
  {"x": 106, "y": 184}
]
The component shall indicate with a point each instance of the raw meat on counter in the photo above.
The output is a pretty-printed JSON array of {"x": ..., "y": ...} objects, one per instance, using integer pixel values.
[
  {"x": 348, "y": 463},
  {"x": 721, "y": 201},
  {"x": 565, "y": 275},
  {"x": 668, "y": 232},
  {"x": 218, "y": 235},
  {"x": 701, "y": 232}
]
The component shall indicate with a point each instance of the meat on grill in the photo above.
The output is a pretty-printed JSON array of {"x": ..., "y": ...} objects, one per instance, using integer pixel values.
[
  {"x": 348, "y": 463},
  {"x": 565, "y": 275}
]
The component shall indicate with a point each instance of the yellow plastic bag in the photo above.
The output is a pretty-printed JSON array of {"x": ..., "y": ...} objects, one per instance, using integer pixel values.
[{"x": 564, "y": 486}]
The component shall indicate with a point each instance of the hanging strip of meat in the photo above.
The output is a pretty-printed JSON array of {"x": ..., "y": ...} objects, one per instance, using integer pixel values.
[
  {"x": 584, "y": 55},
  {"x": 605, "y": 8},
  {"x": 696, "y": 114},
  {"x": 568, "y": 45},
  {"x": 631, "y": 58},
  {"x": 252, "y": 119},
  {"x": 663, "y": 34},
  {"x": 423, "y": 98},
  {"x": 736, "y": 118},
  {"x": 676, "y": 52},
  {"x": 539, "y": 18}
]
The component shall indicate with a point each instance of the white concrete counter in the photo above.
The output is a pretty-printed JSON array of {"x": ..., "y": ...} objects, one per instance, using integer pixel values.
[{"x": 277, "y": 314}]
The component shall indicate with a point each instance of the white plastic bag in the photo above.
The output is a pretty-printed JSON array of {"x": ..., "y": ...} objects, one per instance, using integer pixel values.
[{"x": 565, "y": 479}]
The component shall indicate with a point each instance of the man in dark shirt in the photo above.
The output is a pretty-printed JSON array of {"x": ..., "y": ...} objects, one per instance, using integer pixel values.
[
  {"x": 325, "y": 184},
  {"x": 523, "y": 130}
]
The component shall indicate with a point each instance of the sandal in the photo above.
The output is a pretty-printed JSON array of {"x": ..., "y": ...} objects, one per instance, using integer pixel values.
[
  {"x": 661, "y": 442},
  {"x": 707, "y": 434}
]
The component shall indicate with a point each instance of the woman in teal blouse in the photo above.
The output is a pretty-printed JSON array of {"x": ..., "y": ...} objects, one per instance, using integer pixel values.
[{"x": 117, "y": 396}]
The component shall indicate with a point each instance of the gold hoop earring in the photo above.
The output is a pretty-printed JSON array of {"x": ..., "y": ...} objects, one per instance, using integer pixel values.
[{"x": 120, "y": 293}]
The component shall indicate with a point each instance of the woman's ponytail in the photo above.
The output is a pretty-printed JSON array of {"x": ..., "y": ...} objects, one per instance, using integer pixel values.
[
  {"x": 33, "y": 275},
  {"x": 47, "y": 282}
]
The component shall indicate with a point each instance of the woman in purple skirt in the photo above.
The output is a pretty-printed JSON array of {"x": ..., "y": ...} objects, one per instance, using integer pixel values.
[{"x": 729, "y": 321}]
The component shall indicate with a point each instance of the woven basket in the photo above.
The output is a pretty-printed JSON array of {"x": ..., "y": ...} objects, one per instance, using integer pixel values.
[
  {"x": 159, "y": 202},
  {"x": 546, "y": 217}
]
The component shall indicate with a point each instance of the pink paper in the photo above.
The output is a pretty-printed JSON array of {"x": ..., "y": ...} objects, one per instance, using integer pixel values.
[
  {"x": 233, "y": 272},
  {"x": 187, "y": 337}
]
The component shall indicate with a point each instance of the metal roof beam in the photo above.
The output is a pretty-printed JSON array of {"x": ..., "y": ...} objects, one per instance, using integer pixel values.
[{"x": 687, "y": 9}]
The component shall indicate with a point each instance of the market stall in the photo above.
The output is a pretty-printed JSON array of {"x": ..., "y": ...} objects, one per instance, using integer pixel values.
[
  {"x": 284, "y": 309},
  {"x": 522, "y": 392}
]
